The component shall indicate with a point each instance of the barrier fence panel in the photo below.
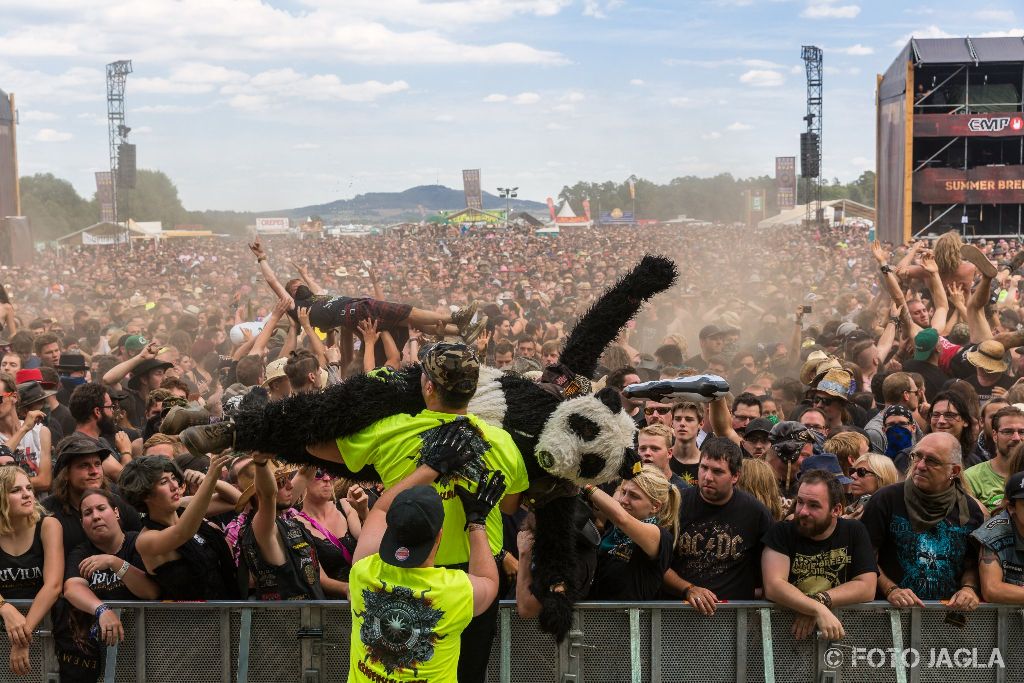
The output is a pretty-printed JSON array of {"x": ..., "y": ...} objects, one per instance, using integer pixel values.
[{"x": 609, "y": 642}]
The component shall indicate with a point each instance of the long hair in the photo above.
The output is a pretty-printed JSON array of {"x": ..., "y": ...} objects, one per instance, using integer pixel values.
[
  {"x": 758, "y": 479},
  {"x": 955, "y": 398},
  {"x": 658, "y": 489},
  {"x": 947, "y": 253},
  {"x": 882, "y": 466},
  {"x": 8, "y": 473}
]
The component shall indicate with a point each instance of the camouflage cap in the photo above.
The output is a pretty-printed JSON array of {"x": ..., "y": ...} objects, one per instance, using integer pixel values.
[{"x": 452, "y": 366}]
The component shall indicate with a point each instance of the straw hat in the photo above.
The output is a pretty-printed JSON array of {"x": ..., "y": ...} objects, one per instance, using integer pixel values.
[
  {"x": 836, "y": 382},
  {"x": 817, "y": 363},
  {"x": 247, "y": 480},
  {"x": 989, "y": 356}
]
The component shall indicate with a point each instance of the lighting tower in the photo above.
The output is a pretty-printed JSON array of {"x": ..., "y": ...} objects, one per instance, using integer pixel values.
[
  {"x": 810, "y": 142},
  {"x": 117, "y": 74},
  {"x": 508, "y": 193}
]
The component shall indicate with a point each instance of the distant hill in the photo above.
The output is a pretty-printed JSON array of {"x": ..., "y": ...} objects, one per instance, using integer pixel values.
[{"x": 406, "y": 205}]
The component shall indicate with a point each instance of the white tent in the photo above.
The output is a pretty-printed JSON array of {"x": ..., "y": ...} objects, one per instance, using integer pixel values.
[{"x": 846, "y": 210}]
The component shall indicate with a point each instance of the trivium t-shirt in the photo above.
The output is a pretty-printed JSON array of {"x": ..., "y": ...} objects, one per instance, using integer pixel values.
[
  {"x": 929, "y": 563},
  {"x": 817, "y": 566},
  {"x": 406, "y": 622},
  {"x": 392, "y": 445},
  {"x": 719, "y": 546}
]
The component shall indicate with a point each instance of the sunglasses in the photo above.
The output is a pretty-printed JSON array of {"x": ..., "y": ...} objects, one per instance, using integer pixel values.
[
  {"x": 660, "y": 410},
  {"x": 825, "y": 400},
  {"x": 320, "y": 475},
  {"x": 862, "y": 472}
]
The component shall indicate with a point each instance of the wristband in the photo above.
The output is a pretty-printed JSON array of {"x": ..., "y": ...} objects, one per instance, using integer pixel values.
[
  {"x": 123, "y": 570},
  {"x": 890, "y": 589},
  {"x": 886, "y": 269},
  {"x": 588, "y": 491},
  {"x": 101, "y": 609},
  {"x": 824, "y": 598},
  {"x": 476, "y": 526},
  {"x": 261, "y": 259}
]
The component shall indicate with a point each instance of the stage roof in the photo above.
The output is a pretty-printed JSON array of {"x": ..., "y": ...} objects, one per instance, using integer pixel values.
[{"x": 967, "y": 50}]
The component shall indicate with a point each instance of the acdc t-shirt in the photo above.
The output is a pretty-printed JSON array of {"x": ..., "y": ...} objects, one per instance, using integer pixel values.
[
  {"x": 719, "y": 546},
  {"x": 929, "y": 563},
  {"x": 817, "y": 566}
]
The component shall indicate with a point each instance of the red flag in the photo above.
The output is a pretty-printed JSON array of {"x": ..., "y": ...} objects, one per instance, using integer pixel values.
[
  {"x": 551, "y": 207},
  {"x": 586, "y": 208}
]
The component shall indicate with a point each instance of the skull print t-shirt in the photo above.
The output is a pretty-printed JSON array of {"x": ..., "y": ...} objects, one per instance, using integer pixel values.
[{"x": 406, "y": 623}]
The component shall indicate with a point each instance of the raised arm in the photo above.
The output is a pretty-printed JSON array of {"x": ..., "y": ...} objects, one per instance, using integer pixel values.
[
  {"x": 119, "y": 371},
  {"x": 938, "y": 290},
  {"x": 264, "y": 522},
  {"x": 721, "y": 420},
  {"x": 263, "y": 338},
  {"x": 308, "y": 279},
  {"x": 268, "y": 274},
  {"x": 647, "y": 536},
  {"x": 376, "y": 520},
  {"x": 368, "y": 331},
  {"x": 315, "y": 342}
]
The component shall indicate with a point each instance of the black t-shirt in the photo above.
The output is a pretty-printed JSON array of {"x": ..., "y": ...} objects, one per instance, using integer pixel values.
[
  {"x": 696, "y": 362},
  {"x": 934, "y": 378},
  {"x": 719, "y": 546},
  {"x": 930, "y": 563},
  {"x": 686, "y": 472},
  {"x": 817, "y": 566},
  {"x": 71, "y": 523},
  {"x": 626, "y": 573},
  {"x": 985, "y": 393},
  {"x": 105, "y": 584}
]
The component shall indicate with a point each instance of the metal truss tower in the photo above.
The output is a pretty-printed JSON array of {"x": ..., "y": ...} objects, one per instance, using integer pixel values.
[
  {"x": 117, "y": 132},
  {"x": 811, "y": 150}
]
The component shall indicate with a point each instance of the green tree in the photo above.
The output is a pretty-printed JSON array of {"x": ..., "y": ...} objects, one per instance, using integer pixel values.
[
  {"x": 54, "y": 207},
  {"x": 154, "y": 198}
]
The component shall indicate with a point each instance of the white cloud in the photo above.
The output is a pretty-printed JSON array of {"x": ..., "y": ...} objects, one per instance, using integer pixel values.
[
  {"x": 306, "y": 145},
  {"x": 166, "y": 86},
  {"x": 1003, "y": 16},
  {"x": 444, "y": 118},
  {"x": 738, "y": 126},
  {"x": 287, "y": 85},
  {"x": 1013, "y": 33},
  {"x": 51, "y": 135},
  {"x": 526, "y": 98},
  {"x": 165, "y": 109},
  {"x": 573, "y": 97},
  {"x": 637, "y": 82},
  {"x": 142, "y": 130},
  {"x": 857, "y": 50},
  {"x": 761, "y": 78},
  {"x": 555, "y": 126},
  {"x": 681, "y": 102},
  {"x": 713, "y": 135},
  {"x": 716, "y": 63},
  {"x": 931, "y": 31},
  {"x": 33, "y": 116},
  {"x": 599, "y": 9},
  {"x": 496, "y": 97},
  {"x": 828, "y": 9},
  {"x": 75, "y": 85},
  {"x": 862, "y": 162}
]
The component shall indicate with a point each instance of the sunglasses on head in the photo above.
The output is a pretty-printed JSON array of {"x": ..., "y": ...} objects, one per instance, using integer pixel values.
[{"x": 660, "y": 410}]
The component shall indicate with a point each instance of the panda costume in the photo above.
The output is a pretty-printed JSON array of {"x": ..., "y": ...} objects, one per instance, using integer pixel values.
[{"x": 566, "y": 435}]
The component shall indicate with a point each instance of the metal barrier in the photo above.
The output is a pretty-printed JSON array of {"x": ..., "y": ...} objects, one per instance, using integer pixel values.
[{"x": 610, "y": 642}]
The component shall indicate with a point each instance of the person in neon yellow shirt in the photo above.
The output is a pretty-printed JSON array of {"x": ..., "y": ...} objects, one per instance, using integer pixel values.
[
  {"x": 397, "y": 444},
  {"x": 407, "y": 612}
]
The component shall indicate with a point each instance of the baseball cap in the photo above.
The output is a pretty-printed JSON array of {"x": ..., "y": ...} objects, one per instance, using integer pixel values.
[
  {"x": 452, "y": 366},
  {"x": 710, "y": 331},
  {"x": 924, "y": 343},
  {"x": 761, "y": 424},
  {"x": 1014, "y": 489},
  {"x": 414, "y": 520},
  {"x": 275, "y": 369},
  {"x": 78, "y": 443},
  {"x": 135, "y": 343},
  {"x": 845, "y": 329}
]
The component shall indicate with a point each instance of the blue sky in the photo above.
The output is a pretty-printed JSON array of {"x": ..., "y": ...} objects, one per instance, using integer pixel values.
[{"x": 263, "y": 105}]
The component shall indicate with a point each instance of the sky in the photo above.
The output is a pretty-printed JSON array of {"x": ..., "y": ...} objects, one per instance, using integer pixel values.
[{"x": 259, "y": 105}]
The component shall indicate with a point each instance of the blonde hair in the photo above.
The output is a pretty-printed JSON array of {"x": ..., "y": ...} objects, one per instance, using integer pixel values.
[
  {"x": 846, "y": 446},
  {"x": 8, "y": 475},
  {"x": 658, "y": 429},
  {"x": 652, "y": 482},
  {"x": 758, "y": 479},
  {"x": 882, "y": 466},
  {"x": 947, "y": 253}
]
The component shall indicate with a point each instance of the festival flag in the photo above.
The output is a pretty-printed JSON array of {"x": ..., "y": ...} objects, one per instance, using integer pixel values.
[
  {"x": 586, "y": 208},
  {"x": 632, "y": 189},
  {"x": 551, "y": 207}
]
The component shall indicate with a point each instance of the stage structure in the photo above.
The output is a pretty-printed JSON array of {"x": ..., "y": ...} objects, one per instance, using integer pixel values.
[
  {"x": 122, "y": 153},
  {"x": 950, "y": 139},
  {"x": 810, "y": 141}
]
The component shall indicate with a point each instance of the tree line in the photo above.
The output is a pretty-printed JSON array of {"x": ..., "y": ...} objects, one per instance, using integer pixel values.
[{"x": 56, "y": 209}]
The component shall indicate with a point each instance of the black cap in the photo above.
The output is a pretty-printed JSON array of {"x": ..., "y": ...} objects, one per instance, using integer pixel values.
[
  {"x": 78, "y": 443},
  {"x": 710, "y": 331},
  {"x": 1014, "y": 489},
  {"x": 414, "y": 520},
  {"x": 761, "y": 424}
]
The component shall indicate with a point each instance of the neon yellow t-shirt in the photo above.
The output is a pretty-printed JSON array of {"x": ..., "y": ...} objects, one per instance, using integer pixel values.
[
  {"x": 406, "y": 623},
  {"x": 392, "y": 445},
  {"x": 988, "y": 487}
]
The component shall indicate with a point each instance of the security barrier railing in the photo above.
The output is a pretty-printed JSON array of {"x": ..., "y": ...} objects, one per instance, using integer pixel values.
[{"x": 655, "y": 642}]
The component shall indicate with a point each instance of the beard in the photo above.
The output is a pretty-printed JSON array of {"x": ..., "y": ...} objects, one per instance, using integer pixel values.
[
  {"x": 809, "y": 528},
  {"x": 107, "y": 425}
]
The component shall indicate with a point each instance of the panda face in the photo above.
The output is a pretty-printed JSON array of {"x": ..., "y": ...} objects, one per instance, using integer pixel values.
[{"x": 584, "y": 441}]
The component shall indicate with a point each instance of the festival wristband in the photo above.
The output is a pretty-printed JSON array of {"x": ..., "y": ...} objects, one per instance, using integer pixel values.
[
  {"x": 123, "y": 570},
  {"x": 101, "y": 609},
  {"x": 474, "y": 526},
  {"x": 972, "y": 587}
]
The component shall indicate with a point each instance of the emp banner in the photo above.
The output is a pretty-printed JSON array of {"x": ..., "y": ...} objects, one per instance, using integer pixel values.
[{"x": 785, "y": 182}]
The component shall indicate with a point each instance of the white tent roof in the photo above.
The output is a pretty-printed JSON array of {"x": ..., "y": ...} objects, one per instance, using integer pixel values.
[
  {"x": 566, "y": 211},
  {"x": 796, "y": 215},
  {"x": 148, "y": 228}
]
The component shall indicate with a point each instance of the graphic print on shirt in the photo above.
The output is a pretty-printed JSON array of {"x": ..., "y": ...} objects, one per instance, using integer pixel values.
[
  {"x": 398, "y": 627},
  {"x": 708, "y": 545},
  {"x": 819, "y": 572},
  {"x": 473, "y": 469},
  {"x": 931, "y": 561}
]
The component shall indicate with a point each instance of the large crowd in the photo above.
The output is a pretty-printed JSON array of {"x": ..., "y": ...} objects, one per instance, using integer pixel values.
[{"x": 869, "y": 447}]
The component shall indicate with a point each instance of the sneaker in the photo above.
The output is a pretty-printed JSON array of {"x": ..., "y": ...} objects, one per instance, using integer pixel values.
[
  {"x": 179, "y": 419},
  {"x": 210, "y": 438},
  {"x": 972, "y": 254},
  {"x": 463, "y": 317},
  {"x": 475, "y": 330}
]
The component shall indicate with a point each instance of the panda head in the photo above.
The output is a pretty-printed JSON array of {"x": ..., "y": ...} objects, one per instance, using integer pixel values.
[{"x": 588, "y": 440}]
